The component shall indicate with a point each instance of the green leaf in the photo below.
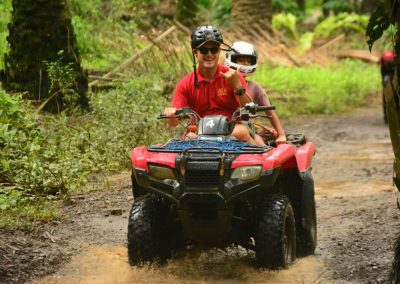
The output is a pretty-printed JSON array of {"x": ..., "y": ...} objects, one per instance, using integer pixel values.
[
  {"x": 377, "y": 24},
  {"x": 5, "y": 164}
]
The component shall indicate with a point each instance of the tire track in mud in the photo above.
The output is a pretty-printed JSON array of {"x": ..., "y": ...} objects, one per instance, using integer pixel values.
[{"x": 356, "y": 208}]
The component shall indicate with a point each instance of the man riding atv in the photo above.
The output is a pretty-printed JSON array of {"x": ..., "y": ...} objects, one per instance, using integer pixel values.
[
  {"x": 213, "y": 188},
  {"x": 211, "y": 88}
]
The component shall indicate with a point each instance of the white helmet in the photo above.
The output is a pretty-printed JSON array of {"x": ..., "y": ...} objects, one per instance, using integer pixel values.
[{"x": 238, "y": 49}]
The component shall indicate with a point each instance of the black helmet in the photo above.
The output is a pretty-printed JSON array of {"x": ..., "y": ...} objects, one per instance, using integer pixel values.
[{"x": 205, "y": 33}]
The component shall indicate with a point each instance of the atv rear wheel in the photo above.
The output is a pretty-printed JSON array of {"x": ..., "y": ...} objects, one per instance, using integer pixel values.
[
  {"x": 275, "y": 239},
  {"x": 147, "y": 241}
]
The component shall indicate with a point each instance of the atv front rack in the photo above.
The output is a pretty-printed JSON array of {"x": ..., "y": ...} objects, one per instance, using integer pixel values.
[{"x": 206, "y": 146}]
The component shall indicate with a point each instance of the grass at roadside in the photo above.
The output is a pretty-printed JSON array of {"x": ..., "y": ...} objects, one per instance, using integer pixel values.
[
  {"x": 44, "y": 157},
  {"x": 316, "y": 89}
]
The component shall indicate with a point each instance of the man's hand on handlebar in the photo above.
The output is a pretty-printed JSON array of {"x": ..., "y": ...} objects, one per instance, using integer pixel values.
[{"x": 170, "y": 111}]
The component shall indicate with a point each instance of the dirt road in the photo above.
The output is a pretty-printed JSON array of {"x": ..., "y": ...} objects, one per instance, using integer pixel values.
[{"x": 357, "y": 223}]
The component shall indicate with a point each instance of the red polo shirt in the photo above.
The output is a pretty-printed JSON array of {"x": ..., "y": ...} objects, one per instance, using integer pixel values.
[{"x": 213, "y": 96}]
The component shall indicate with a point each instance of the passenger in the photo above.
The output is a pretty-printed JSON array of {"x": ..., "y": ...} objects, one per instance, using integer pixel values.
[{"x": 243, "y": 57}]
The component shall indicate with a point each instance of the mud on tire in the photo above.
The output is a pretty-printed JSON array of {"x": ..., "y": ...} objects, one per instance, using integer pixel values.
[
  {"x": 147, "y": 241},
  {"x": 275, "y": 236}
]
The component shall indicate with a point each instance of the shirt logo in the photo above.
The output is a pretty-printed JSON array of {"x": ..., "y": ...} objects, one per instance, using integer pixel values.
[{"x": 222, "y": 92}]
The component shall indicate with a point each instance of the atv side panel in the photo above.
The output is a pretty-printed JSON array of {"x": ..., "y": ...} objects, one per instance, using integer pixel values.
[{"x": 304, "y": 155}]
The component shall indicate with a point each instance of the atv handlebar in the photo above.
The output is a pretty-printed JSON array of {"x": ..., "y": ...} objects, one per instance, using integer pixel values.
[
  {"x": 179, "y": 113},
  {"x": 253, "y": 108},
  {"x": 245, "y": 113}
]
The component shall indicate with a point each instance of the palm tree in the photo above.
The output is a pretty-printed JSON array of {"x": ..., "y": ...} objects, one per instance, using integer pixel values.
[{"x": 40, "y": 31}]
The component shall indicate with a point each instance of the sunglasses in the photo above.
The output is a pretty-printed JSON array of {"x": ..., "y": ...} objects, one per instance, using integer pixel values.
[{"x": 204, "y": 50}]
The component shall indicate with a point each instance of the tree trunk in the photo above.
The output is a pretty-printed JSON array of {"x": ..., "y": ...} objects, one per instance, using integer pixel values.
[
  {"x": 186, "y": 11},
  {"x": 246, "y": 13},
  {"x": 391, "y": 94},
  {"x": 40, "y": 31}
]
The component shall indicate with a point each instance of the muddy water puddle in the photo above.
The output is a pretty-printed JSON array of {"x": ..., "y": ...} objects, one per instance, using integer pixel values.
[{"x": 108, "y": 264}]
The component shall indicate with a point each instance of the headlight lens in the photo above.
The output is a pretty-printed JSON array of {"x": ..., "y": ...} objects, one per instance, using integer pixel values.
[
  {"x": 247, "y": 173},
  {"x": 161, "y": 172}
]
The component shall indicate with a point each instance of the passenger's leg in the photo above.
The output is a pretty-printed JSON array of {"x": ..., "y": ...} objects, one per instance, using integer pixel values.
[{"x": 242, "y": 133}]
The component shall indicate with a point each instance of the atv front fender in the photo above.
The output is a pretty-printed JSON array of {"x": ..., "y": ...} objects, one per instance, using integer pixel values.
[
  {"x": 304, "y": 156},
  {"x": 307, "y": 202}
]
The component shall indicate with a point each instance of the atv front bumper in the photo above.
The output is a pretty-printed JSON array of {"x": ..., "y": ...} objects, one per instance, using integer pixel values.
[{"x": 225, "y": 192}]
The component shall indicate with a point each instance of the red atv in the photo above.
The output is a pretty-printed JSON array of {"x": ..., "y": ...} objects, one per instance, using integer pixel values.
[{"x": 215, "y": 191}]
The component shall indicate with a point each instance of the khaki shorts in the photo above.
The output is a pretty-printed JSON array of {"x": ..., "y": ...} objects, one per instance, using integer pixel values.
[{"x": 250, "y": 127}]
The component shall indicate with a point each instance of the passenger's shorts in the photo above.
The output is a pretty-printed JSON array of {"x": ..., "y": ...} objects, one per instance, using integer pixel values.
[{"x": 251, "y": 128}]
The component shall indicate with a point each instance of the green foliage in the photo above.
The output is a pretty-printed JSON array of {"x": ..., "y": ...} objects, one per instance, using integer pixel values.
[
  {"x": 5, "y": 16},
  {"x": 20, "y": 210},
  {"x": 42, "y": 155},
  {"x": 106, "y": 30},
  {"x": 62, "y": 79},
  {"x": 124, "y": 118},
  {"x": 305, "y": 42},
  {"x": 285, "y": 23},
  {"x": 216, "y": 12},
  {"x": 338, "y": 6},
  {"x": 377, "y": 24},
  {"x": 313, "y": 4},
  {"x": 287, "y": 6},
  {"x": 312, "y": 90},
  {"x": 341, "y": 23},
  {"x": 28, "y": 159}
]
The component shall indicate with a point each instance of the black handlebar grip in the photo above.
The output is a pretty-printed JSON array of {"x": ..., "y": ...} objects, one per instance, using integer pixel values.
[
  {"x": 162, "y": 116},
  {"x": 265, "y": 107}
]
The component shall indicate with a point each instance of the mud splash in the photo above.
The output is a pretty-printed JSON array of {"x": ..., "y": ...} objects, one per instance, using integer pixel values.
[{"x": 108, "y": 264}]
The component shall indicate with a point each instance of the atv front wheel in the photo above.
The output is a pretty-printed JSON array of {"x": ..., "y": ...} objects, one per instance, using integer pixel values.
[
  {"x": 147, "y": 241},
  {"x": 275, "y": 239}
]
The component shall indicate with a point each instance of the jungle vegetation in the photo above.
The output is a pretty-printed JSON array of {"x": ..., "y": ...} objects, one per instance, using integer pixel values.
[{"x": 83, "y": 81}]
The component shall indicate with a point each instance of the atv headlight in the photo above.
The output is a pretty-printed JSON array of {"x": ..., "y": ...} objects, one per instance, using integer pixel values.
[
  {"x": 247, "y": 173},
  {"x": 161, "y": 172}
]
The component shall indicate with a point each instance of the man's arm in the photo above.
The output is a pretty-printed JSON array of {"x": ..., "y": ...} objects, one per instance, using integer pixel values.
[
  {"x": 179, "y": 100},
  {"x": 237, "y": 82}
]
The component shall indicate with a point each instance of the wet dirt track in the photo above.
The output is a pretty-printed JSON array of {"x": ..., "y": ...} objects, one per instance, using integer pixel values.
[{"x": 357, "y": 222}]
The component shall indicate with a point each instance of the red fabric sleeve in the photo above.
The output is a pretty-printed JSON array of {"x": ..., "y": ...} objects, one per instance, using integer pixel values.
[{"x": 180, "y": 99}]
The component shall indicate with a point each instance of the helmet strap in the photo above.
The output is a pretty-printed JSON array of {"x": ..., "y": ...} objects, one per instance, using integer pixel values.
[
  {"x": 196, "y": 82},
  {"x": 229, "y": 48}
]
